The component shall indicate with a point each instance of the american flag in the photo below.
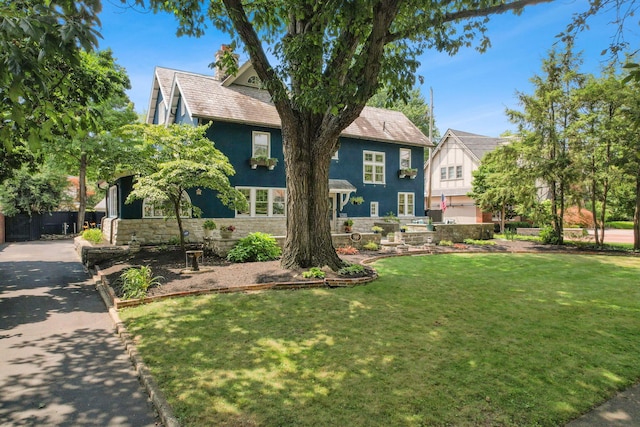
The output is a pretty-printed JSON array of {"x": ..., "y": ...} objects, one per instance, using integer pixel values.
[{"x": 443, "y": 203}]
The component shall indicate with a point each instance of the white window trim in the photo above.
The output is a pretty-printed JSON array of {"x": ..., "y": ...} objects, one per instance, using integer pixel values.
[
  {"x": 400, "y": 160},
  {"x": 374, "y": 164},
  {"x": 374, "y": 210},
  {"x": 253, "y": 142},
  {"x": 406, "y": 205},
  {"x": 270, "y": 201}
]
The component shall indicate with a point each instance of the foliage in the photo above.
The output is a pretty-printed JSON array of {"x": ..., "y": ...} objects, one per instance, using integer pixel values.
[
  {"x": 479, "y": 242},
  {"x": 445, "y": 243},
  {"x": 229, "y": 228},
  {"x": 93, "y": 235},
  {"x": 347, "y": 250},
  {"x": 209, "y": 224},
  {"x": 174, "y": 240},
  {"x": 549, "y": 236},
  {"x": 377, "y": 229},
  {"x": 620, "y": 225},
  {"x": 40, "y": 49},
  {"x": 356, "y": 200},
  {"x": 174, "y": 159},
  {"x": 391, "y": 217},
  {"x": 352, "y": 270},
  {"x": 314, "y": 272},
  {"x": 348, "y": 223},
  {"x": 136, "y": 281},
  {"x": 371, "y": 246},
  {"x": 255, "y": 247},
  {"x": 33, "y": 191}
]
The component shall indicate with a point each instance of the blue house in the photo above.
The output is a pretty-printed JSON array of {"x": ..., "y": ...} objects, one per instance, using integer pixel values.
[{"x": 380, "y": 160}]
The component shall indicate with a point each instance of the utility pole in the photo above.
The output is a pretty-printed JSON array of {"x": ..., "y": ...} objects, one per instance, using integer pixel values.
[{"x": 430, "y": 150}]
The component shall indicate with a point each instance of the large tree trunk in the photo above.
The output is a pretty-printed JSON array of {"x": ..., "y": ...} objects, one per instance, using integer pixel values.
[
  {"x": 307, "y": 160},
  {"x": 82, "y": 190}
]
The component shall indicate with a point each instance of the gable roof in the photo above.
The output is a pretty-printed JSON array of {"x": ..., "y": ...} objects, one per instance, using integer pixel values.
[
  {"x": 476, "y": 145},
  {"x": 208, "y": 98}
]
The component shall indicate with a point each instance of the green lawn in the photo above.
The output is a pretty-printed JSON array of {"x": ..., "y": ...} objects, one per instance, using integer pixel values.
[{"x": 463, "y": 339}]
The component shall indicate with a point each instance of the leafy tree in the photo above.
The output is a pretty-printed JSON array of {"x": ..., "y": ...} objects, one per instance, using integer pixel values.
[
  {"x": 600, "y": 129},
  {"x": 171, "y": 160},
  {"x": 496, "y": 183},
  {"x": 414, "y": 107},
  {"x": 29, "y": 192},
  {"x": 332, "y": 57},
  {"x": 100, "y": 104},
  {"x": 40, "y": 45},
  {"x": 545, "y": 123}
]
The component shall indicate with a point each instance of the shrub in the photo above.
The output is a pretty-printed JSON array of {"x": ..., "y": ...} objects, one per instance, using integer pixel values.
[
  {"x": 255, "y": 247},
  {"x": 314, "y": 272},
  {"x": 347, "y": 250},
  {"x": 352, "y": 270},
  {"x": 445, "y": 243},
  {"x": 371, "y": 246},
  {"x": 175, "y": 240},
  {"x": 549, "y": 236},
  {"x": 93, "y": 235},
  {"x": 621, "y": 225},
  {"x": 136, "y": 282},
  {"x": 479, "y": 242}
]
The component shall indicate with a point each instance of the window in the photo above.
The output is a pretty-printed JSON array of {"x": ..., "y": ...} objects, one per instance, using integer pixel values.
[
  {"x": 373, "y": 167},
  {"x": 261, "y": 144},
  {"x": 254, "y": 81},
  {"x": 373, "y": 209},
  {"x": 405, "y": 158},
  {"x": 405, "y": 204},
  {"x": 112, "y": 207},
  {"x": 155, "y": 210},
  {"x": 264, "y": 201},
  {"x": 451, "y": 172}
]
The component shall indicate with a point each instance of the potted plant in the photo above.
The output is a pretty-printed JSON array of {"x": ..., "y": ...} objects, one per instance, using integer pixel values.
[
  {"x": 356, "y": 200},
  {"x": 347, "y": 225},
  {"x": 403, "y": 228},
  {"x": 226, "y": 231},
  {"x": 430, "y": 224},
  {"x": 208, "y": 227},
  {"x": 269, "y": 162},
  {"x": 376, "y": 229}
]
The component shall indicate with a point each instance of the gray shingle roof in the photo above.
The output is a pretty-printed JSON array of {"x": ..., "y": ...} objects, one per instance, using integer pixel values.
[
  {"x": 207, "y": 98},
  {"x": 479, "y": 145}
]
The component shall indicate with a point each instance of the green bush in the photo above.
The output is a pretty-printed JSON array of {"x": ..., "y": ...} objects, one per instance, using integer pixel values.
[
  {"x": 445, "y": 243},
  {"x": 516, "y": 224},
  {"x": 93, "y": 235},
  {"x": 621, "y": 225},
  {"x": 352, "y": 270},
  {"x": 255, "y": 247},
  {"x": 479, "y": 242},
  {"x": 136, "y": 282},
  {"x": 549, "y": 236},
  {"x": 371, "y": 246},
  {"x": 314, "y": 272}
]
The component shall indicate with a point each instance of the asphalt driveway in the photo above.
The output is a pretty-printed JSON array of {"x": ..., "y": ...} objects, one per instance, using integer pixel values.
[{"x": 60, "y": 362}]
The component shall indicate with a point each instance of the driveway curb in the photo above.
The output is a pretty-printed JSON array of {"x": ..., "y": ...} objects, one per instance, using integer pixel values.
[{"x": 157, "y": 397}]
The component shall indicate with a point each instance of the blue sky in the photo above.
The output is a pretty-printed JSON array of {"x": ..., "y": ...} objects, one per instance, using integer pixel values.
[{"x": 471, "y": 90}]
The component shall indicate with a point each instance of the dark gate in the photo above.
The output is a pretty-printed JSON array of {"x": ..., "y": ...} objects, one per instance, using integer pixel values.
[{"x": 22, "y": 228}]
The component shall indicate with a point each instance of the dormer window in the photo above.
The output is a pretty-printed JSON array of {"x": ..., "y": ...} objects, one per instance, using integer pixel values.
[{"x": 254, "y": 81}]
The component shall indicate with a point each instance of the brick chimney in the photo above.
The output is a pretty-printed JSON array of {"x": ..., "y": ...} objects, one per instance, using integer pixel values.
[{"x": 220, "y": 70}]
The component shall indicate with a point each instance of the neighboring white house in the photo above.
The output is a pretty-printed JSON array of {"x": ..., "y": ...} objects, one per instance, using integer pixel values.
[{"x": 453, "y": 160}]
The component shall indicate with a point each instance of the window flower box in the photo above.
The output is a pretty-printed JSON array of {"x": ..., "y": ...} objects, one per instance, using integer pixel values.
[
  {"x": 409, "y": 172},
  {"x": 268, "y": 162}
]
